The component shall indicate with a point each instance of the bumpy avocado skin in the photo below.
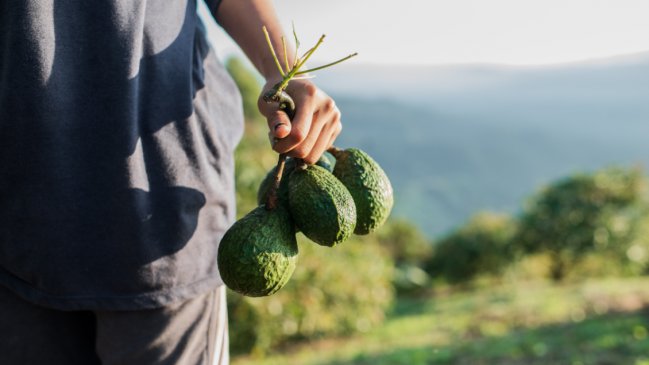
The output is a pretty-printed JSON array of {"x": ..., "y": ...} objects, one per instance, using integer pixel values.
[
  {"x": 369, "y": 186},
  {"x": 257, "y": 255},
  {"x": 321, "y": 206},
  {"x": 327, "y": 161}
]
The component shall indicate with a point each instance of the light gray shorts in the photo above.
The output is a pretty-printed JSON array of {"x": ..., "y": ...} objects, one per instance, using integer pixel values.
[{"x": 194, "y": 332}]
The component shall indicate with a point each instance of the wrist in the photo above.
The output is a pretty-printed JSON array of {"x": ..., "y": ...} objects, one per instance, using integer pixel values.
[{"x": 268, "y": 69}]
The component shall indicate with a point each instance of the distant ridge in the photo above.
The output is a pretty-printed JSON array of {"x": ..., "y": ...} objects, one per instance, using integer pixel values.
[
  {"x": 402, "y": 82},
  {"x": 456, "y": 139}
]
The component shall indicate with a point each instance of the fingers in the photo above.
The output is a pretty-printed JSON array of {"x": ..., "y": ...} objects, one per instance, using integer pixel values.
[
  {"x": 307, "y": 99},
  {"x": 304, "y": 150},
  {"x": 279, "y": 124},
  {"x": 327, "y": 136},
  {"x": 314, "y": 128},
  {"x": 334, "y": 135}
]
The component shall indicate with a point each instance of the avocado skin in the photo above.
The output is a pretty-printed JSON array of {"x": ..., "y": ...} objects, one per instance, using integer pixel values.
[
  {"x": 321, "y": 206},
  {"x": 327, "y": 161},
  {"x": 369, "y": 186},
  {"x": 257, "y": 255}
]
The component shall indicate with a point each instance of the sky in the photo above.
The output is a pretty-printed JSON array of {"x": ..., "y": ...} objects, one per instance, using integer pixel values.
[{"x": 515, "y": 32}]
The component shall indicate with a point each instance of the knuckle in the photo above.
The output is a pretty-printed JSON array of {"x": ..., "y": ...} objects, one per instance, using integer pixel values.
[
  {"x": 330, "y": 105},
  {"x": 280, "y": 116},
  {"x": 298, "y": 135},
  {"x": 310, "y": 89},
  {"x": 300, "y": 152},
  {"x": 337, "y": 116}
]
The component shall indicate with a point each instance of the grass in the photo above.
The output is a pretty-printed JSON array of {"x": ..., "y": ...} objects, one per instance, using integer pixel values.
[{"x": 595, "y": 322}]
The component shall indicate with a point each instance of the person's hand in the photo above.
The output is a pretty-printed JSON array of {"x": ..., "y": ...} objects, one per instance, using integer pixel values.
[{"x": 314, "y": 128}]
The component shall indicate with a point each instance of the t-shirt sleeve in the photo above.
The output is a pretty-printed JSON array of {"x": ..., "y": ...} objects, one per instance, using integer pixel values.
[{"x": 214, "y": 7}]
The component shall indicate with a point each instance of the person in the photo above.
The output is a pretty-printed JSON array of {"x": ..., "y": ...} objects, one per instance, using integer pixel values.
[{"x": 117, "y": 131}]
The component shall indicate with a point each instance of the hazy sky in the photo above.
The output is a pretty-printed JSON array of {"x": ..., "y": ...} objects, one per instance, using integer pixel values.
[{"x": 467, "y": 31}]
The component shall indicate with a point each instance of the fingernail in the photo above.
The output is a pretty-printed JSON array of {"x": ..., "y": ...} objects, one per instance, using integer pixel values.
[{"x": 279, "y": 124}]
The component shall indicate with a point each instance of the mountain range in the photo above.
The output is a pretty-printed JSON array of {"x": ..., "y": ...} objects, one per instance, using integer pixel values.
[{"x": 459, "y": 139}]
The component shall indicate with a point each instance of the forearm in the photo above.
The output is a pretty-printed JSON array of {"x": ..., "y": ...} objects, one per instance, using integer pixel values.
[{"x": 243, "y": 20}]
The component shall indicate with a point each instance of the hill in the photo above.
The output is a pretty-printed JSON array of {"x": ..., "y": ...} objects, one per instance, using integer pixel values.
[{"x": 460, "y": 139}]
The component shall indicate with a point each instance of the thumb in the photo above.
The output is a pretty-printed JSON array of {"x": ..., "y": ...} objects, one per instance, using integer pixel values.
[{"x": 279, "y": 124}]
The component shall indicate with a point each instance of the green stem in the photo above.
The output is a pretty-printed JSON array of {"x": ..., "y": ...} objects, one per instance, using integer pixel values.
[
  {"x": 327, "y": 65},
  {"x": 308, "y": 54},
  {"x": 288, "y": 68},
  {"x": 297, "y": 45},
  {"x": 272, "y": 51},
  {"x": 284, "y": 83}
]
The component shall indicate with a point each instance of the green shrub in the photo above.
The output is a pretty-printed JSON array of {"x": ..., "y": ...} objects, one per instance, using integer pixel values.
[
  {"x": 247, "y": 81},
  {"x": 584, "y": 214},
  {"x": 409, "y": 249},
  {"x": 333, "y": 291},
  {"x": 482, "y": 246}
]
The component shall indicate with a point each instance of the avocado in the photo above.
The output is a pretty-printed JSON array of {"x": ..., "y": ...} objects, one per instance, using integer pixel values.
[
  {"x": 327, "y": 161},
  {"x": 320, "y": 205},
  {"x": 257, "y": 255},
  {"x": 369, "y": 186}
]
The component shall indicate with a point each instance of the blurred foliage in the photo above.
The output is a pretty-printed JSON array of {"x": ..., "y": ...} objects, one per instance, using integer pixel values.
[
  {"x": 481, "y": 247},
  {"x": 253, "y": 157},
  {"x": 249, "y": 86},
  {"x": 600, "y": 322},
  {"x": 409, "y": 249},
  {"x": 599, "y": 212},
  {"x": 404, "y": 242},
  {"x": 333, "y": 290}
]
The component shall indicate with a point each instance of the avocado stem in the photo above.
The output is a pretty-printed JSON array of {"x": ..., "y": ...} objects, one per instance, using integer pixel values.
[
  {"x": 287, "y": 105},
  {"x": 335, "y": 151},
  {"x": 271, "y": 199},
  {"x": 302, "y": 165}
]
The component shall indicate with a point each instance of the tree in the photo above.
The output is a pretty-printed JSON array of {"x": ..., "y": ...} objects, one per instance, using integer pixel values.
[
  {"x": 248, "y": 84},
  {"x": 574, "y": 216},
  {"x": 482, "y": 246},
  {"x": 409, "y": 249}
]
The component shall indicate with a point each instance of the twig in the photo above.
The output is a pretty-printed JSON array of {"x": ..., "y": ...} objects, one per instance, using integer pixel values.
[
  {"x": 327, "y": 65},
  {"x": 285, "y": 55},
  {"x": 272, "y": 51}
]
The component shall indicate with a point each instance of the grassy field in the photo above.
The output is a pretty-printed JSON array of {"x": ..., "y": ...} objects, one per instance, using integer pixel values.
[{"x": 595, "y": 322}]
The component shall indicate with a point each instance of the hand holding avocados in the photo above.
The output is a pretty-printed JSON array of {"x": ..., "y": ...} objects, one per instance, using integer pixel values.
[{"x": 345, "y": 192}]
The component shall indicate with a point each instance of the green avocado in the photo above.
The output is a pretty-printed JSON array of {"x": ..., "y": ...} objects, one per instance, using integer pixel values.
[
  {"x": 327, "y": 161},
  {"x": 369, "y": 186},
  {"x": 257, "y": 255},
  {"x": 320, "y": 205}
]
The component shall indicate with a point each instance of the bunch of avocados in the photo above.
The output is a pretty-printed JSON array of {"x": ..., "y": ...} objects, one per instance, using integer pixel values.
[{"x": 345, "y": 192}]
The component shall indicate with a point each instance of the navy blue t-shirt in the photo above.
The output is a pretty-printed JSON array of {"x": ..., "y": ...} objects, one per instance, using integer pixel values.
[{"x": 117, "y": 131}]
